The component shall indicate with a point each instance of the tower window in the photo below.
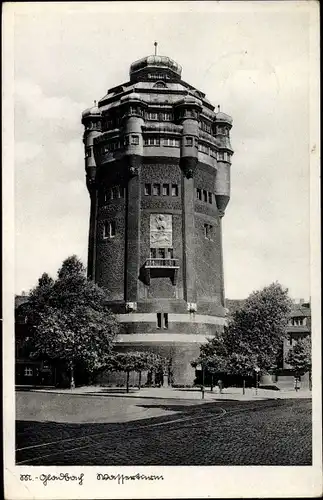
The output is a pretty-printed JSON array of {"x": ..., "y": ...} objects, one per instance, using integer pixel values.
[
  {"x": 160, "y": 85},
  {"x": 115, "y": 193},
  {"x": 165, "y": 321},
  {"x": 210, "y": 198},
  {"x": 135, "y": 140},
  {"x": 159, "y": 320},
  {"x": 165, "y": 189},
  {"x": 199, "y": 194},
  {"x": 158, "y": 76},
  {"x": 156, "y": 189},
  {"x": 189, "y": 141},
  {"x": 172, "y": 142},
  {"x": 208, "y": 231},
  {"x": 170, "y": 253},
  {"x": 165, "y": 116},
  {"x": 88, "y": 153},
  {"x": 220, "y": 156},
  {"x": 153, "y": 253},
  {"x": 161, "y": 253},
  {"x": 28, "y": 372},
  {"x": 206, "y": 127},
  {"x": 147, "y": 189},
  {"x": 204, "y": 149},
  {"x": 109, "y": 229},
  {"x": 152, "y": 141},
  {"x": 204, "y": 195},
  {"x": 174, "y": 190},
  {"x": 112, "y": 229},
  {"x": 152, "y": 116}
]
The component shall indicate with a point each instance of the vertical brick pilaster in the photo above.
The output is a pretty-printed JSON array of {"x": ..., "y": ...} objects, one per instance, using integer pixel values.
[
  {"x": 132, "y": 249},
  {"x": 221, "y": 264},
  {"x": 92, "y": 234},
  {"x": 189, "y": 274}
]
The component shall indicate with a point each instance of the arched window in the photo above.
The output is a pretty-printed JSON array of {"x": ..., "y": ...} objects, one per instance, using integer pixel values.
[{"x": 160, "y": 85}]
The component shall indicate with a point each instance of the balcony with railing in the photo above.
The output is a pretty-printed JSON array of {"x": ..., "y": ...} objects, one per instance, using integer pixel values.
[
  {"x": 161, "y": 268},
  {"x": 162, "y": 263}
]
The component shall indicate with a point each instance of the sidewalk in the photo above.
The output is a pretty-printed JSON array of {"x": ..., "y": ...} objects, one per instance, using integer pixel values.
[{"x": 231, "y": 393}]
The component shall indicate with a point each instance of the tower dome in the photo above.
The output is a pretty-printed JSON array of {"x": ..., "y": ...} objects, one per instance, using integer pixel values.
[
  {"x": 223, "y": 117},
  {"x": 94, "y": 111},
  {"x": 155, "y": 62}
]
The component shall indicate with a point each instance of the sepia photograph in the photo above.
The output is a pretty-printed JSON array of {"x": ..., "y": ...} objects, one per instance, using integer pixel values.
[{"x": 164, "y": 311}]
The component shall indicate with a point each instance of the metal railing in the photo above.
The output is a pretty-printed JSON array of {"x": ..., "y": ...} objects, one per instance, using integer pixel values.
[{"x": 170, "y": 263}]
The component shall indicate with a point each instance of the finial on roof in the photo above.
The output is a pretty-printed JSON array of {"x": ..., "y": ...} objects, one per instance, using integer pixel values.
[
  {"x": 219, "y": 108},
  {"x": 94, "y": 103},
  {"x": 155, "y": 48}
]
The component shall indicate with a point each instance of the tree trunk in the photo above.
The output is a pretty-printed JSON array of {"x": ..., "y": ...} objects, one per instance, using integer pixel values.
[
  {"x": 243, "y": 386},
  {"x": 212, "y": 382},
  {"x": 72, "y": 381},
  {"x": 139, "y": 381},
  {"x": 127, "y": 386},
  {"x": 149, "y": 378}
]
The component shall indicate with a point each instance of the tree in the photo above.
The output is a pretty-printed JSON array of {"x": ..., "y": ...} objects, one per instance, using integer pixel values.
[
  {"x": 256, "y": 331},
  {"x": 300, "y": 357},
  {"x": 133, "y": 361},
  {"x": 147, "y": 361},
  {"x": 70, "y": 319},
  {"x": 38, "y": 299},
  {"x": 213, "y": 356},
  {"x": 125, "y": 362},
  {"x": 254, "y": 335}
]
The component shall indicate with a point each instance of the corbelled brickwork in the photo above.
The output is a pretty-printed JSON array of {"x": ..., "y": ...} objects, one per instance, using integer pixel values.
[{"x": 157, "y": 160}]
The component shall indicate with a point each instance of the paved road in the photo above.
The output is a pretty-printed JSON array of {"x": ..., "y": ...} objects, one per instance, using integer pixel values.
[{"x": 59, "y": 429}]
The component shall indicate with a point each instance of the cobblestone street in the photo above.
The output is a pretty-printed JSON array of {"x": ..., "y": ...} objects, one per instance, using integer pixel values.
[{"x": 56, "y": 429}]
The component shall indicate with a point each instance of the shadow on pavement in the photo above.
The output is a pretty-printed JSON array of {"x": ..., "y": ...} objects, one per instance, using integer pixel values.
[
  {"x": 33, "y": 433},
  {"x": 117, "y": 390},
  {"x": 31, "y": 388}
]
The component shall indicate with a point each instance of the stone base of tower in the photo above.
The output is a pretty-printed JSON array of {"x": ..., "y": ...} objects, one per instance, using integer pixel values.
[
  {"x": 183, "y": 372},
  {"x": 180, "y": 355}
]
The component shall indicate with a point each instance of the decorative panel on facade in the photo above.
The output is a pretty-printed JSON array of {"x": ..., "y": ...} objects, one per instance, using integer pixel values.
[{"x": 161, "y": 231}]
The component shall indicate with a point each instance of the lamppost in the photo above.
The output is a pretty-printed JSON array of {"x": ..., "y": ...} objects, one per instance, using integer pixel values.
[
  {"x": 257, "y": 370},
  {"x": 198, "y": 368},
  {"x": 203, "y": 375}
]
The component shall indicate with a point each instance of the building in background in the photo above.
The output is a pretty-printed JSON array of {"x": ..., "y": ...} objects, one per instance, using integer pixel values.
[
  {"x": 28, "y": 371},
  {"x": 299, "y": 327},
  {"x": 157, "y": 161}
]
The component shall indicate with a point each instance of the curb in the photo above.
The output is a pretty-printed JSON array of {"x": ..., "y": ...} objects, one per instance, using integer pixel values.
[{"x": 207, "y": 399}]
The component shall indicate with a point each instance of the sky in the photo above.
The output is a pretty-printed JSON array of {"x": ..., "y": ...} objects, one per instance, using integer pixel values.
[{"x": 254, "y": 62}]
